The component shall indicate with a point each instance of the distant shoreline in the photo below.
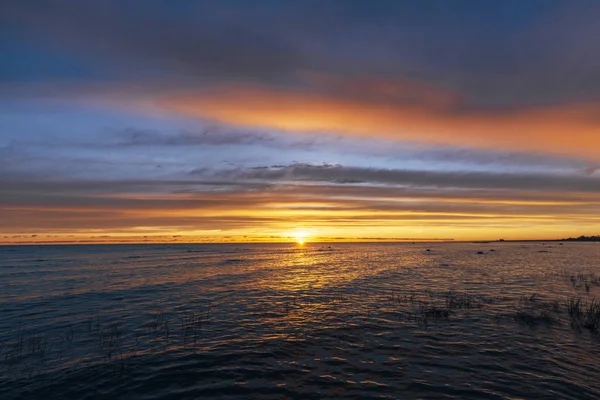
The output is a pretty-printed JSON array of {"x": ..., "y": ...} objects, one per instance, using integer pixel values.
[{"x": 592, "y": 240}]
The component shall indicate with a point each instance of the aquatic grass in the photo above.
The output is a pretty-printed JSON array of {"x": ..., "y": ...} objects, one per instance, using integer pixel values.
[
  {"x": 433, "y": 312},
  {"x": 409, "y": 298},
  {"x": 97, "y": 340},
  {"x": 425, "y": 313},
  {"x": 575, "y": 308},
  {"x": 584, "y": 314},
  {"x": 109, "y": 339},
  {"x": 92, "y": 321},
  {"x": 38, "y": 344},
  {"x": 191, "y": 322},
  {"x": 15, "y": 350},
  {"x": 532, "y": 310},
  {"x": 524, "y": 299},
  {"x": 579, "y": 280},
  {"x": 159, "y": 324},
  {"x": 68, "y": 335},
  {"x": 592, "y": 316},
  {"x": 417, "y": 307},
  {"x": 460, "y": 301},
  {"x": 555, "y": 304},
  {"x": 434, "y": 305},
  {"x": 532, "y": 318}
]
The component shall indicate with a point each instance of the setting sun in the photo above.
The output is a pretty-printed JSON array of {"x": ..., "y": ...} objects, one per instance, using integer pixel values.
[{"x": 301, "y": 237}]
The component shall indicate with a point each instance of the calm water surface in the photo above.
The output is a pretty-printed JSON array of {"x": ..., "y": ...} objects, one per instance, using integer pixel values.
[{"x": 280, "y": 321}]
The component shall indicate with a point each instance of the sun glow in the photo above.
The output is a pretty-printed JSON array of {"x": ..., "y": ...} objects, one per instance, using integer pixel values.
[{"x": 301, "y": 237}]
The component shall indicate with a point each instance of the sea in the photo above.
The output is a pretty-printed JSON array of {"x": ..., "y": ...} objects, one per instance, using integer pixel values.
[{"x": 499, "y": 320}]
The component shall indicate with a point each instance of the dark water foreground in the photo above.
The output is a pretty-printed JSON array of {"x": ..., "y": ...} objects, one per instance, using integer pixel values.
[{"x": 286, "y": 322}]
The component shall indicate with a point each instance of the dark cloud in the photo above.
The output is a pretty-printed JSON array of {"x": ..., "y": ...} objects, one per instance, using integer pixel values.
[
  {"x": 110, "y": 193},
  {"x": 222, "y": 135},
  {"x": 210, "y": 136},
  {"x": 435, "y": 179},
  {"x": 494, "y": 157},
  {"x": 495, "y": 54}
]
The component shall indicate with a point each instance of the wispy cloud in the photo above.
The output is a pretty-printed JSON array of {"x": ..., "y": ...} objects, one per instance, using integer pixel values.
[
  {"x": 437, "y": 179},
  {"x": 534, "y": 130},
  {"x": 273, "y": 199}
]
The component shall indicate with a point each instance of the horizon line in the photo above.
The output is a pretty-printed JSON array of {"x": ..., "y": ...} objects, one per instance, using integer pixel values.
[{"x": 287, "y": 242}]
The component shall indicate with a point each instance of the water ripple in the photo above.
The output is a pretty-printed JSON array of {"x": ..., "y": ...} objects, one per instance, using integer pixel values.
[{"x": 279, "y": 321}]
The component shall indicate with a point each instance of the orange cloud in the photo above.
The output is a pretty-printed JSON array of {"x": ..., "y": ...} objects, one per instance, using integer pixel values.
[
  {"x": 401, "y": 112},
  {"x": 328, "y": 211}
]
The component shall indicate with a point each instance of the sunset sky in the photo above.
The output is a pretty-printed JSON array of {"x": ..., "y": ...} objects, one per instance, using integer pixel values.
[{"x": 133, "y": 121}]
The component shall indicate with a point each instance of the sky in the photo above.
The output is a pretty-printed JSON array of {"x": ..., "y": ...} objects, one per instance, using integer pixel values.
[{"x": 194, "y": 121}]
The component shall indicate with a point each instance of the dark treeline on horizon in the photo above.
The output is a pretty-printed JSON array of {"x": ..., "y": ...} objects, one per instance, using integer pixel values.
[{"x": 585, "y": 238}]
